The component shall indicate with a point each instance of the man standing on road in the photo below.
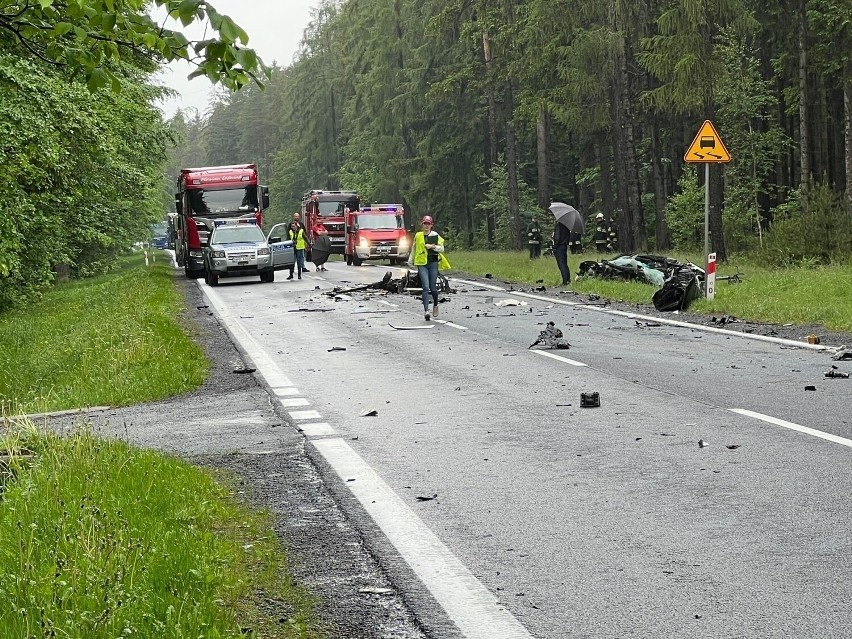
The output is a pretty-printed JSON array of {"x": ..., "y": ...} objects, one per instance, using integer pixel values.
[
  {"x": 534, "y": 239},
  {"x": 561, "y": 238}
]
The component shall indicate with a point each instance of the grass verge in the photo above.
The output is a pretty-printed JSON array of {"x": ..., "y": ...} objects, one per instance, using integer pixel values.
[
  {"x": 820, "y": 295},
  {"x": 102, "y": 540},
  {"x": 112, "y": 340}
]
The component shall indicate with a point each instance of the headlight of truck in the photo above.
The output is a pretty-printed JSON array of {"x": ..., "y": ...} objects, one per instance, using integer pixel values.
[
  {"x": 364, "y": 243},
  {"x": 218, "y": 253},
  {"x": 263, "y": 251},
  {"x": 403, "y": 242}
]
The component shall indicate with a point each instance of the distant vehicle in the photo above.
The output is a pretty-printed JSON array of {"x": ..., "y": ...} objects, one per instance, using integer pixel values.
[
  {"x": 160, "y": 242},
  {"x": 376, "y": 233},
  {"x": 213, "y": 193},
  {"x": 327, "y": 208},
  {"x": 238, "y": 248}
]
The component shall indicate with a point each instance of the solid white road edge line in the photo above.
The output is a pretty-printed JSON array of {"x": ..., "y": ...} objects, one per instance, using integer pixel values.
[
  {"x": 468, "y": 603},
  {"x": 573, "y": 362},
  {"x": 273, "y": 375},
  {"x": 797, "y": 427}
]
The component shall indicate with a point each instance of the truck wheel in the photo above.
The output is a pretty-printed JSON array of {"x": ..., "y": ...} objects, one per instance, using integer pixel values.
[{"x": 357, "y": 261}]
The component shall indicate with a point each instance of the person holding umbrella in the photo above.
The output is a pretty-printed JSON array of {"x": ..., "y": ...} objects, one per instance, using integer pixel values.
[{"x": 568, "y": 220}]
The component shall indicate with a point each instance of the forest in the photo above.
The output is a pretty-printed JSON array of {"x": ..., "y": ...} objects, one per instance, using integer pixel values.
[{"x": 478, "y": 112}]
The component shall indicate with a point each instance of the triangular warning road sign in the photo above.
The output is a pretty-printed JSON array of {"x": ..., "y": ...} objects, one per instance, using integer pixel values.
[{"x": 707, "y": 146}]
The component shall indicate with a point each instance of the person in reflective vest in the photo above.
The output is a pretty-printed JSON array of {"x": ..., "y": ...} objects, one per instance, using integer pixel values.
[
  {"x": 534, "y": 239},
  {"x": 576, "y": 244},
  {"x": 612, "y": 235},
  {"x": 296, "y": 232},
  {"x": 425, "y": 255}
]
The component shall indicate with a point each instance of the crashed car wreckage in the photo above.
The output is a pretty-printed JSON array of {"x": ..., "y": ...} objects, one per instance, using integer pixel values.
[
  {"x": 409, "y": 282},
  {"x": 680, "y": 284}
]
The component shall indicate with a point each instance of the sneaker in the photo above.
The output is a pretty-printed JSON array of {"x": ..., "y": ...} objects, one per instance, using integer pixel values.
[
  {"x": 427, "y": 316},
  {"x": 435, "y": 310}
]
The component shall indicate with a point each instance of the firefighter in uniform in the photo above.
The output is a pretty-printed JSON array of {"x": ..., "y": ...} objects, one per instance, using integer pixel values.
[
  {"x": 601, "y": 234},
  {"x": 576, "y": 243},
  {"x": 534, "y": 239},
  {"x": 612, "y": 237}
]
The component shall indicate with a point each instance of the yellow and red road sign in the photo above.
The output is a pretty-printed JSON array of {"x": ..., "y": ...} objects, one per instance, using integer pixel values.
[{"x": 707, "y": 147}]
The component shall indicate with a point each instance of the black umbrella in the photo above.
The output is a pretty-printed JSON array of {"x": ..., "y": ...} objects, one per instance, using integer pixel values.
[
  {"x": 320, "y": 250},
  {"x": 568, "y": 216}
]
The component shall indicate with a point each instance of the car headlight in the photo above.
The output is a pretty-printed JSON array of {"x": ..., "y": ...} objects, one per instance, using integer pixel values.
[
  {"x": 218, "y": 253},
  {"x": 364, "y": 242},
  {"x": 263, "y": 251},
  {"x": 403, "y": 242}
]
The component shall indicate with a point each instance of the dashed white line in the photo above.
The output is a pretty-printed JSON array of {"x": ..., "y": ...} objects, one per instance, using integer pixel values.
[
  {"x": 318, "y": 429},
  {"x": 573, "y": 362},
  {"x": 792, "y": 426},
  {"x": 285, "y": 392},
  {"x": 305, "y": 414},
  {"x": 452, "y": 324},
  {"x": 293, "y": 402}
]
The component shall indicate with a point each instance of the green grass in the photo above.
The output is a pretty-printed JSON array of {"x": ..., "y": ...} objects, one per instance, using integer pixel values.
[
  {"x": 798, "y": 295},
  {"x": 102, "y": 540},
  {"x": 113, "y": 340}
]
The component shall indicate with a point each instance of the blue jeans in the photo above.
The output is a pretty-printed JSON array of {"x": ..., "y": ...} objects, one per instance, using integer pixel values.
[
  {"x": 300, "y": 259},
  {"x": 428, "y": 275}
]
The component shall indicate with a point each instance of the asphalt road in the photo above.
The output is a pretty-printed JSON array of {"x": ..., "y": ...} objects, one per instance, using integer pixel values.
[{"x": 577, "y": 522}]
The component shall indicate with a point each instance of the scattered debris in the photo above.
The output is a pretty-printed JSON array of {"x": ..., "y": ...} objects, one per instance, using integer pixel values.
[
  {"x": 509, "y": 302},
  {"x": 550, "y": 337},
  {"x": 590, "y": 400},
  {"x": 702, "y": 444},
  {"x": 243, "y": 371},
  {"x": 810, "y": 388},
  {"x": 310, "y": 310},
  {"x": 411, "y": 328},
  {"x": 813, "y": 339},
  {"x": 842, "y": 353},
  {"x": 336, "y": 348},
  {"x": 836, "y": 374},
  {"x": 373, "y": 590},
  {"x": 725, "y": 319},
  {"x": 647, "y": 324},
  {"x": 370, "y": 413},
  {"x": 488, "y": 276},
  {"x": 426, "y": 498},
  {"x": 732, "y": 446}
]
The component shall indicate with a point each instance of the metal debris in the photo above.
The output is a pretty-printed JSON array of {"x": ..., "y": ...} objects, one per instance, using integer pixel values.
[{"x": 550, "y": 337}]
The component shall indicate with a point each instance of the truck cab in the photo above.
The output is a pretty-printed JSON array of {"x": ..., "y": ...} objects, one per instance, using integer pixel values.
[{"x": 376, "y": 232}]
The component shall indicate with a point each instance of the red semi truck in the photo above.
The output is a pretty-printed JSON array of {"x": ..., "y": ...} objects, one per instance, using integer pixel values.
[
  {"x": 212, "y": 193},
  {"x": 328, "y": 208},
  {"x": 376, "y": 232}
]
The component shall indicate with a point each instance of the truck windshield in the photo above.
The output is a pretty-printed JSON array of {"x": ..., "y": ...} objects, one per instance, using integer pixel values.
[
  {"x": 334, "y": 208},
  {"x": 237, "y": 233},
  {"x": 380, "y": 221},
  {"x": 223, "y": 201}
]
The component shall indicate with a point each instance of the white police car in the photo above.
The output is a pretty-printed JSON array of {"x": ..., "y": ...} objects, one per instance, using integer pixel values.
[{"x": 238, "y": 248}]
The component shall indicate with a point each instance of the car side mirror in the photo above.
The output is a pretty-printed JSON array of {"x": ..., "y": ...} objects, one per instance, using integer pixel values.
[{"x": 264, "y": 197}]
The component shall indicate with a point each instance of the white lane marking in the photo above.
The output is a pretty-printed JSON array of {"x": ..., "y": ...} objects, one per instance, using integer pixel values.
[
  {"x": 792, "y": 426},
  {"x": 284, "y": 392},
  {"x": 305, "y": 414},
  {"x": 452, "y": 324},
  {"x": 315, "y": 429},
  {"x": 468, "y": 603},
  {"x": 293, "y": 402},
  {"x": 265, "y": 364},
  {"x": 663, "y": 320},
  {"x": 488, "y": 286},
  {"x": 385, "y": 302},
  {"x": 573, "y": 362}
]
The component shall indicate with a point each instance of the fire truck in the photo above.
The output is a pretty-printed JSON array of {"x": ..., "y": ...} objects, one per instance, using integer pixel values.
[
  {"x": 328, "y": 209},
  {"x": 376, "y": 232},
  {"x": 213, "y": 193}
]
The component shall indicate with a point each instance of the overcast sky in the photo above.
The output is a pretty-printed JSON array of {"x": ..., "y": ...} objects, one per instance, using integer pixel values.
[{"x": 274, "y": 27}]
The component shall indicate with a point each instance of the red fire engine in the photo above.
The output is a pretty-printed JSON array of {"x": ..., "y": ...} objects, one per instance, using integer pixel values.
[
  {"x": 213, "y": 193},
  {"x": 327, "y": 208},
  {"x": 376, "y": 232}
]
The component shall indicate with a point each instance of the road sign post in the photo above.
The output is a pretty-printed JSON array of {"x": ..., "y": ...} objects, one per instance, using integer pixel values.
[{"x": 707, "y": 148}]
